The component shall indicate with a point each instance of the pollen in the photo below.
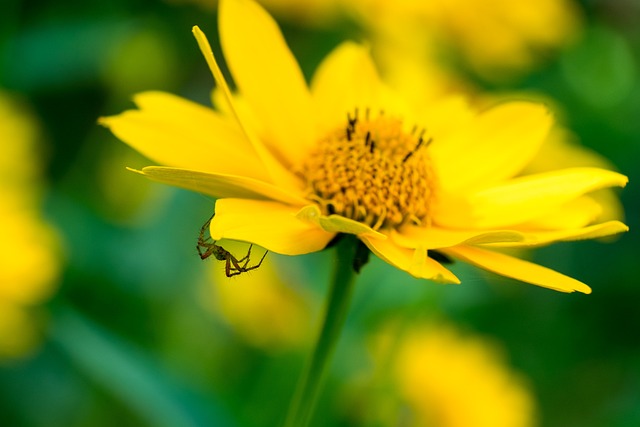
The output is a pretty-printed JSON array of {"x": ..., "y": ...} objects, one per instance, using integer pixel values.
[{"x": 372, "y": 171}]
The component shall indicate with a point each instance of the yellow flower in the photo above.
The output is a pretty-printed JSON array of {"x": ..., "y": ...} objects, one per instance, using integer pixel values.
[
  {"x": 307, "y": 12},
  {"x": 444, "y": 378},
  {"x": 495, "y": 37},
  {"x": 294, "y": 165},
  {"x": 29, "y": 267}
]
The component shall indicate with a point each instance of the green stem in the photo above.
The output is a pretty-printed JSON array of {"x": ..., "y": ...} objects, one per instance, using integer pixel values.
[{"x": 336, "y": 309}]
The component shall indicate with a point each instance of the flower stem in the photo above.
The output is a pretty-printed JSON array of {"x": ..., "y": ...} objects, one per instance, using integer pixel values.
[{"x": 336, "y": 309}]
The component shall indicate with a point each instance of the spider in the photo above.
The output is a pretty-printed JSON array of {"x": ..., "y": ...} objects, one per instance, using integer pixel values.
[{"x": 233, "y": 266}]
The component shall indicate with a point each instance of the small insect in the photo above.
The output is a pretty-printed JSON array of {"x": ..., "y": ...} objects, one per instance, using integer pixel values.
[{"x": 233, "y": 266}]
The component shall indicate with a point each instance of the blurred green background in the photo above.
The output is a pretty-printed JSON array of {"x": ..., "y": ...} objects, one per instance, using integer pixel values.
[{"x": 135, "y": 330}]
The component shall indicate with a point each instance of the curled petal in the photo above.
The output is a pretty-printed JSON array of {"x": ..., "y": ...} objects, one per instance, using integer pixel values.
[
  {"x": 517, "y": 269},
  {"x": 414, "y": 261},
  {"x": 176, "y": 132},
  {"x": 220, "y": 185},
  {"x": 272, "y": 225},
  {"x": 336, "y": 223},
  {"x": 435, "y": 238},
  {"x": 277, "y": 172},
  {"x": 523, "y": 199},
  {"x": 577, "y": 213},
  {"x": 268, "y": 77},
  {"x": 540, "y": 238}
]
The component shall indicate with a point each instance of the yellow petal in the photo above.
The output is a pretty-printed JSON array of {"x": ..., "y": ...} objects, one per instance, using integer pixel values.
[
  {"x": 612, "y": 207},
  {"x": 444, "y": 119},
  {"x": 435, "y": 238},
  {"x": 540, "y": 238},
  {"x": 498, "y": 145},
  {"x": 517, "y": 269},
  {"x": 336, "y": 223},
  {"x": 239, "y": 107},
  {"x": 272, "y": 225},
  {"x": 176, "y": 132},
  {"x": 220, "y": 185},
  {"x": 278, "y": 173},
  {"x": 523, "y": 199},
  {"x": 347, "y": 79},
  {"x": 268, "y": 77},
  {"x": 414, "y": 261},
  {"x": 574, "y": 214}
]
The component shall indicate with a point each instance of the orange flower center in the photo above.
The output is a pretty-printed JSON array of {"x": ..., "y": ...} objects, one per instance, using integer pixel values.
[{"x": 373, "y": 172}]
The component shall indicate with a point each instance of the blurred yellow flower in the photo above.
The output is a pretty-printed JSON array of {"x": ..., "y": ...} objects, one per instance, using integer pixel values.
[
  {"x": 29, "y": 266},
  {"x": 307, "y": 12},
  {"x": 294, "y": 166},
  {"x": 444, "y": 378},
  {"x": 495, "y": 37},
  {"x": 260, "y": 307}
]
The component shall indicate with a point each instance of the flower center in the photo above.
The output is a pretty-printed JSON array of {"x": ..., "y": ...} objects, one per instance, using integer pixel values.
[{"x": 373, "y": 172}]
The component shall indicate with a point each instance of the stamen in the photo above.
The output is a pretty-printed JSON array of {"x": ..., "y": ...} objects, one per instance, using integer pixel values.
[
  {"x": 352, "y": 122},
  {"x": 420, "y": 141},
  {"x": 384, "y": 190}
]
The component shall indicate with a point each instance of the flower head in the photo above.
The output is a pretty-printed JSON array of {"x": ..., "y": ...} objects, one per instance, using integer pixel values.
[{"x": 294, "y": 165}]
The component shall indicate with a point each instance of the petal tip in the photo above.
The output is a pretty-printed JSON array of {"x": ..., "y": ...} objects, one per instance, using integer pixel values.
[
  {"x": 617, "y": 227},
  {"x": 616, "y": 178},
  {"x": 624, "y": 181},
  {"x": 448, "y": 280},
  {"x": 198, "y": 33},
  {"x": 139, "y": 172},
  {"x": 582, "y": 288},
  {"x": 586, "y": 290},
  {"x": 105, "y": 122}
]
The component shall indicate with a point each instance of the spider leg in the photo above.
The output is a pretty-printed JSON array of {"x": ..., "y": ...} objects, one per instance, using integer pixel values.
[
  {"x": 204, "y": 229},
  {"x": 236, "y": 263},
  {"x": 247, "y": 257},
  {"x": 261, "y": 259},
  {"x": 237, "y": 269},
  {"x": 253, "y": 267},
  {"x": 205, "y": 250},
  {"x": 205, "y": 246},
  {"x": 235, "y": 273},
  {"x": 227, "y": 266}
]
